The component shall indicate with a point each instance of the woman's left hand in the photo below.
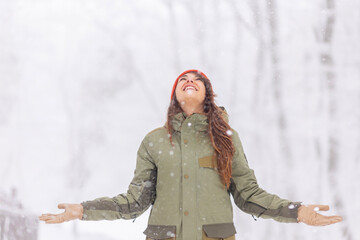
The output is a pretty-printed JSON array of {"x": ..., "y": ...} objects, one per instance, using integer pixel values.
[{"x": 308, "y": 215}]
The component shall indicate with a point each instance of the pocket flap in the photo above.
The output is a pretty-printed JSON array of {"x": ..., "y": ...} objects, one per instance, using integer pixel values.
[
  {"x": 207, "y": 162},
  {"x": 219, "y": 230},
  {"x": 160, "y": 231}
]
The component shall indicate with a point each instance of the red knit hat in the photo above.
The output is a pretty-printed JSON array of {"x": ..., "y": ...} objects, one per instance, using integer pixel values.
[{"x": 187, "y": 71}]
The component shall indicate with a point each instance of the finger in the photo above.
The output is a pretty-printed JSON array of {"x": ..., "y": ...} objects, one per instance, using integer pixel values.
[
  {"x": 321, "y": 207},
  {"x": 43, "y": 217},
  {"x": 62, "y": 205},
  {"x": 327, "y": 220},
  {"x": 336, "y": 219},
  {"x": 53, "y": 221},
  {"x": 48, "y": 214},
  {"x": 47, "y": 218},
  {"x": 56, "y": 219}
]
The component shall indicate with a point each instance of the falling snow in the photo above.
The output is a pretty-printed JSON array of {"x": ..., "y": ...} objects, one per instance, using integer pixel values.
[
  {"x": 63, "y": 97},
  {"x": 148, "y": 184},
  {"x": 170, "y": 234}
]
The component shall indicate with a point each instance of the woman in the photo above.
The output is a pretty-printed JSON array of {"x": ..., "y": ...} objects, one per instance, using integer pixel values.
[{"x": 187, "y": 169}]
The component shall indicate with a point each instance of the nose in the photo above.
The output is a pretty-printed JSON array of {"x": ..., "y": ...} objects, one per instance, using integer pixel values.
[{"x": 190, "y": 80}]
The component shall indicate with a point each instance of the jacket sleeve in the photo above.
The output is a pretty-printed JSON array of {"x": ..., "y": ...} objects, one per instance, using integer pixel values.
[
  {"x": 140, "y": 195},
  {"x": 250, "y": 198}
]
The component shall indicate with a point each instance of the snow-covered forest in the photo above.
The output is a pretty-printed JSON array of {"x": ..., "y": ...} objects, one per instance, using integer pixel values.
[{"x": 83, "y": 81}]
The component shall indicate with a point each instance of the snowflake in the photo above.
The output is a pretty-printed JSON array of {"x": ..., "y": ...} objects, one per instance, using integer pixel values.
[{"x": 170, "y": 234}]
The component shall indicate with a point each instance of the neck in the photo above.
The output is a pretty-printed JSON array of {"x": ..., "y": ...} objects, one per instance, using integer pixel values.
[{"x": 189, "y": 108}]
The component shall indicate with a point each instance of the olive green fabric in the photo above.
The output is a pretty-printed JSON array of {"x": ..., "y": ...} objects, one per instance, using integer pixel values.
[{"x": 185, "y": 188}]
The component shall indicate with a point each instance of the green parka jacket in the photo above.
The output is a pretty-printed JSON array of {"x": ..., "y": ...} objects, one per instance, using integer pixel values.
[{"x": 188, "y": 197}]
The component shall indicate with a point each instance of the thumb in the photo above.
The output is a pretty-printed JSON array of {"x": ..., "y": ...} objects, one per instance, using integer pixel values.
[
  {"x": 62, "y": 205},
  {"x": 321, "y": 207}
]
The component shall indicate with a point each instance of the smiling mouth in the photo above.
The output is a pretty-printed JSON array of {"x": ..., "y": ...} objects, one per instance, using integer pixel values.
[{"x": 189, "y": 87}]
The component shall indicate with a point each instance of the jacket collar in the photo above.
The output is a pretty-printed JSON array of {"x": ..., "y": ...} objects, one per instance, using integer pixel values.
[{"x": 199, "y": 121}]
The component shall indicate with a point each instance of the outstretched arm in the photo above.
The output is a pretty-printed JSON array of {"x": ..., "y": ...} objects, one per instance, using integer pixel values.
[
  {"x": 250, "y": 198},
  {"x": 140, "y": 195}
]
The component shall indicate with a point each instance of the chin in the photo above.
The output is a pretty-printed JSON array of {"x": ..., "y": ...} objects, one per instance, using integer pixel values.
[{"x": 190, "y": 100}]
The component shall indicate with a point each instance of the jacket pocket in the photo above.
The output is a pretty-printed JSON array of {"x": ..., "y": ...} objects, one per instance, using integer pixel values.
[
  {"x": 219, "y": 231},
  {"x": 208, "y": 162},
  {"x": 160, "y": 232}
]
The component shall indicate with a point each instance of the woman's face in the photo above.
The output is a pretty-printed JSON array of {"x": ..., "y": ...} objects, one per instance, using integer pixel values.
[{"x": 190, "y": 88}]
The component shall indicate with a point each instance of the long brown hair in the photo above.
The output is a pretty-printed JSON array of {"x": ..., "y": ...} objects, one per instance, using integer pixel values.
[{"x": 218, "y": 129}]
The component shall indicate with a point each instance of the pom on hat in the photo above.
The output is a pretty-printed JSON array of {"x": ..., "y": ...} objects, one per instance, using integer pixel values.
[{"x": 187, "y": 71}]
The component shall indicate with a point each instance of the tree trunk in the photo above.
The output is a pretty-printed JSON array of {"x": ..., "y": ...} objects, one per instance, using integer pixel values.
[
  {"x": 328, "y": 76},
  {"x": 173, "y": 36},
  {"x": 276, "y": 84},
  {"x": 196, "y": 13},
  {"x": 236, "y": 54},
  {"x": 260, "y": 56}
]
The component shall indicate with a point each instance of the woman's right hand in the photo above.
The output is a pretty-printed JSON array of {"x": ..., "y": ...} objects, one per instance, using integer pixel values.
[{"x": 72, "y": 211}]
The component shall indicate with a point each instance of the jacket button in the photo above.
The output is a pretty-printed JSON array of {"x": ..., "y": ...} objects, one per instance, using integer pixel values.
[
  {"x": 186, "y": 176},
  {"x": 186, "y": 141},
  {"x": 186, "y": 213}
]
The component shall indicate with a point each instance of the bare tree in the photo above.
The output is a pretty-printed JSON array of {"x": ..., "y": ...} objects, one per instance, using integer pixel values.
[
  {"x": 9, "y": 72},
  {"x": 173, "y": 35},
  {"x": 260, "y": 54},
  {"x": 129, "y": 73},
  {"x": 196, "y": 14},
  {"x": 256, "y": 31},
  {"x": 276, "y": 85},
  {"x": 329, "y": 78},
  {"x": 236, "y": 53}
]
